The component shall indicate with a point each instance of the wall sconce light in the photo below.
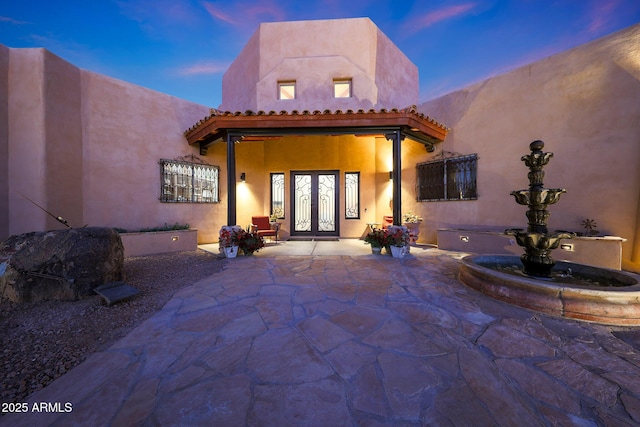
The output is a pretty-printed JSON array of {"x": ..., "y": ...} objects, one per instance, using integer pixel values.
[
  {"x": 243, "y": 177},
  {"x": 390, "y": 175}
]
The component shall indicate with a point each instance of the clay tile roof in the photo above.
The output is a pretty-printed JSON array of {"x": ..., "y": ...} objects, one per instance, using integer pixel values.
[{"x": 409, "y": 121}]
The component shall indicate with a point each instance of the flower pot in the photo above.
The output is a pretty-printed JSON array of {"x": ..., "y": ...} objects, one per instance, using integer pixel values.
[
  {"x": 397, "y": 251},
  {"x": 231, "y": 251},
  {"x": 414, "y": 231},
  {"x": 377, "y": 250}
]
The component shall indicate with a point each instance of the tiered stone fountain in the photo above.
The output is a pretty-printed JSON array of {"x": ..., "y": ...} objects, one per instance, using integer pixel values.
[
  {"x": 559, "y": 288},
  {"x": 537, "y": 241}
]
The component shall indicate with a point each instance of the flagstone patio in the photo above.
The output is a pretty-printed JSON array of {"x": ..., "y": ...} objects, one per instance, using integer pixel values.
[{"x": 349, "y": 340}]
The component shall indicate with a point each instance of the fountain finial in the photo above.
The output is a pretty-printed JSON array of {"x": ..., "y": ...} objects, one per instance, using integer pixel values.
[
  {"x": 536, "y": 145},
  {"x": 536, "y": 240}
]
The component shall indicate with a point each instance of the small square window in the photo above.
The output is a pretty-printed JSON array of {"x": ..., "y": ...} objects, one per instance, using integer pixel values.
[
  {"x": 342, "y": 88},
  {"x": 286, "y": 90}
]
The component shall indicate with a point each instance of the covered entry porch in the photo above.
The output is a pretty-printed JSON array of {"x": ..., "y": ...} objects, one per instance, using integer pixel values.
[{"x": 321, "y": 173}]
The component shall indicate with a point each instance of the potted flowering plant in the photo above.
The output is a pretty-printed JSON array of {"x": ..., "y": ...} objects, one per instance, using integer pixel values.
[
  {"x": 397, "y": 238},
  {"x": 251, "y": 242},
  {"x": 412, "y": 222},
  {"x": 410, "y": 218},
  {"x": 229, "y": 240},
  {"x": 377, "y": 238}
]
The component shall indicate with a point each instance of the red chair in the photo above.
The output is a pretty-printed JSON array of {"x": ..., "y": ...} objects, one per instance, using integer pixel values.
[
  {"x": 262, "y": 226},
  {"x": 387, "y": 220}
]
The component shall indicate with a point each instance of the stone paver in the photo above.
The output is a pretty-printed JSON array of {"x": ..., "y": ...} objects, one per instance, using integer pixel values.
[{"x": 338, "y": 340}]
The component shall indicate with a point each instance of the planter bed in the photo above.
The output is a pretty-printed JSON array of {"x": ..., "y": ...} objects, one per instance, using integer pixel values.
[{"x": 156, "y": 242}]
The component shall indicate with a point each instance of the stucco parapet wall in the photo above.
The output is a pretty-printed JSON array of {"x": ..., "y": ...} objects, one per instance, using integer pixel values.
[{"x": 212, "y": 126}]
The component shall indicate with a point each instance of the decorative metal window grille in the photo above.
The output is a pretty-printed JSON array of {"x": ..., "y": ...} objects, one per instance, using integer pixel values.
[
  {"x": 453, "y": 178},
  {"x": 188, "y": 182},
  {"x": 352, "y": 195},
  {"x": 277, "y": 194}
]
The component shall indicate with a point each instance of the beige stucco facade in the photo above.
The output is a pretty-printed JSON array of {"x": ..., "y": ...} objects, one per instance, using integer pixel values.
[
  {"x": 585, "y": 104},
  {"x": 86, "y": 146},
  {"x": 313, "y": 54}
]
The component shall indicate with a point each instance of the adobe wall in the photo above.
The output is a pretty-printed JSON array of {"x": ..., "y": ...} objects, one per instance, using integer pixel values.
[
  {"x": 382, "y": 76},
  {"x": 396, "y": 77},
  {"x": 292, "y": 50},
  {"x": 584, "y": 104},
  {"x": 86, "y": 147},
  {"x": 63, "y": 141},
  {"x": 26, "y": 142},
  {"x": 240, "y": 79},
  {"x": 44, "y": 142},
  {"x": 127, "y": 129}
]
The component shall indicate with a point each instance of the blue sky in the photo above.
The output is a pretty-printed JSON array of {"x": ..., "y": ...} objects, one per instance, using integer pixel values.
[{"x": 183, "y": 47}]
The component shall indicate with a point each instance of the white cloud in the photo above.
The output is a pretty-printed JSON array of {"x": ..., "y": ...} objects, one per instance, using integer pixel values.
[{"x": 13, "y": 21}]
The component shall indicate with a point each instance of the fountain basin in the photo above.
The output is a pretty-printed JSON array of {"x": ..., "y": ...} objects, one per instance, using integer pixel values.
[
  {"x": 617, "y": 304},
  {"x": 545, "y": 196}
]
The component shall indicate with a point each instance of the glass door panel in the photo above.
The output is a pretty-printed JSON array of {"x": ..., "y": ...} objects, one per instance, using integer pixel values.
[
  {"x": 302, "y": 203},
  {"x": 326, "y": 202},
  {"x": 315, "y": 203}
]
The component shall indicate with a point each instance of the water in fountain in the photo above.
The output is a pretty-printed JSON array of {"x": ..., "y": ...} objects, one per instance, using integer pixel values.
[{"x": 565, "y": 273}]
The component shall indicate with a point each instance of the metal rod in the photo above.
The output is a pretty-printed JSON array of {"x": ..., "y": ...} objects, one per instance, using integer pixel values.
[{"x": 57, "y": 218}]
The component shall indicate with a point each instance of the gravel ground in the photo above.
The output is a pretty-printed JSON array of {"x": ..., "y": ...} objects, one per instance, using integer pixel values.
[{"x": 41, "y": 341}]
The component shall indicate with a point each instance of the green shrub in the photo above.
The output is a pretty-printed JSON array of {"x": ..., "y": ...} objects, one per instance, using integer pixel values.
[{"x": 166, "y": 227}]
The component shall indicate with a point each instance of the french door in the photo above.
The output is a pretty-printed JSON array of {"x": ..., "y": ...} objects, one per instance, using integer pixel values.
[{"x": 314, "y": 196}]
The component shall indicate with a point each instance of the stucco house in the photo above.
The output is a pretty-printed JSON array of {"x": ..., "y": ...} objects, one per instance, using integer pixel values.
[{"x": 328, "y": 134}]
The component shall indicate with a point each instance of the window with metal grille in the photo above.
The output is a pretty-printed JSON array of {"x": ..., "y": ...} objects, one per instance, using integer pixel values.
[
  {"x": 277, "y": 195},
  {"x": 352, "y": 195},
  {"x": 187, "y": 182},
  {"x": 452, "y": 178}
]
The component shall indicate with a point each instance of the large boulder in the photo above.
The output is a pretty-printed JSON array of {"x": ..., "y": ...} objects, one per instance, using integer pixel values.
[{"x": 60, "y": 264}]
